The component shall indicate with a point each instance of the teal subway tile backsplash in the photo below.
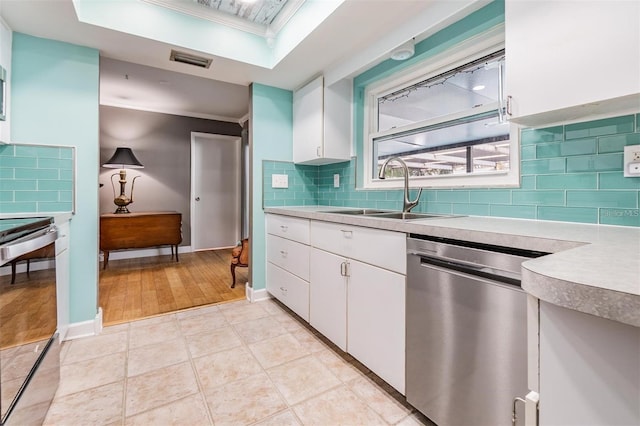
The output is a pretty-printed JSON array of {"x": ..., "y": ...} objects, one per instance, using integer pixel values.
[
  {"x": 545, "y": 198},
  {"x": 490, "y": 196},
  {"x": 623, "y": 217},
  {"x": 536, "y": 167},
  {"x": 620, "y": 199},
  {"x": 617, "y": 143},
  {"x": 595, "y": 163},
  {"x": 568, "y": 181},
  {"x": 38, "y": 178},
  {"x": 566, "y": 148},
  {"x": 535, "y": 136},
  {"x": 616, "y": 180},
  {"x": 519, "y": 212},
  {"x": 568, "y": 214},
  {"x": 573, "y": 179},
  {"x": 607, "y": 126}
]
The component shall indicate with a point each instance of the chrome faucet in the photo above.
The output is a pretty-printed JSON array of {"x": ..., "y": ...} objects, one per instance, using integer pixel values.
[{"x": 408, "y": 205}]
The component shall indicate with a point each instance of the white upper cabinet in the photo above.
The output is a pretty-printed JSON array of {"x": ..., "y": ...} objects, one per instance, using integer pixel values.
[
  {"x": 5, "y": 63},
  {"x": 568, "y": 60},
  {"x": 322, "y": 123}
]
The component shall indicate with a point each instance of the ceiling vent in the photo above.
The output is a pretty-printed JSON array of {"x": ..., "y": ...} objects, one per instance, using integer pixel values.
[{"x": 189, "y": 59}]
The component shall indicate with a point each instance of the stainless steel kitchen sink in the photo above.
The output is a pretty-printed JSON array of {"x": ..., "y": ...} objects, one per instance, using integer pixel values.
[
  {"x": 364, "y": 212},
  {"x": 385, "y": 214},
  {"x": 408, "y": 215}
]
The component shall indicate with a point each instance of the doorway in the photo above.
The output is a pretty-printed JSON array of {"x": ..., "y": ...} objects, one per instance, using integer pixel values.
[{"x": 216, "y": 173}]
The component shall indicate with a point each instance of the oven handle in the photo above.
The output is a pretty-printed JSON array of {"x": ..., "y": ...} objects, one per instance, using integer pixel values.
[{"x": 27, "y": 244}]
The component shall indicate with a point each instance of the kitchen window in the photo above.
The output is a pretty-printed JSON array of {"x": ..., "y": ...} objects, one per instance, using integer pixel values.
[{"x": 445, "y": 119}]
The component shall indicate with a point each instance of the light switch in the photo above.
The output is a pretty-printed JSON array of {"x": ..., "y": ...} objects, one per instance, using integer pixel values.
[
  {"x": 336, "y": 180},
  {"x": 279, "y": 181}
]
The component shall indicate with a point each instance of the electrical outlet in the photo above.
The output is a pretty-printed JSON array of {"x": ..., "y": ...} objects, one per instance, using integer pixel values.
[
  {"x": 279, "y": 181},
  {"x": 631, "y": 161}
]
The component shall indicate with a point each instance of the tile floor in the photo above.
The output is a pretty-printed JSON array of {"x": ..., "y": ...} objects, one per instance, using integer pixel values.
[{"x": 232, "y": 364}]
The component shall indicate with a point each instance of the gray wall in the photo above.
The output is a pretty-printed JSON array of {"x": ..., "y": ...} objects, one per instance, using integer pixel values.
[{"x": 162, "y": 143}]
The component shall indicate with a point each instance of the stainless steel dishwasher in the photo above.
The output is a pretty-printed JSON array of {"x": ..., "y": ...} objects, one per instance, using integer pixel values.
[{"x": 466, "y": 331}]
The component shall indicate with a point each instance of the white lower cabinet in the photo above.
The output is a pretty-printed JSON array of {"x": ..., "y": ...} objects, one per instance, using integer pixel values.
[
  {"x": 354, "y": 302},
  {"x": 376, "y": 321},
  {"x": 348, "y": 282},
  {"x": 328, "y": 296},
  {"x": 589, "y": 369},
  {"x": 288, "y": 262}
]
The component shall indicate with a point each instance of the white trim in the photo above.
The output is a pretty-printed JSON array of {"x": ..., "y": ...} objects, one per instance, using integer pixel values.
[
  {"x": 242, "y": 119},
  {"x": 89, "y": 328},
  {"x": 170, "y": 111},
  {"x": 466, "y": 51},
  {"x": 255, "y": 295}
]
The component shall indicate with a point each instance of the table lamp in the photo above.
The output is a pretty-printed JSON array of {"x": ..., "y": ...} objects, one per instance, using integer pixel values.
[{"x": 123, "y": 159}]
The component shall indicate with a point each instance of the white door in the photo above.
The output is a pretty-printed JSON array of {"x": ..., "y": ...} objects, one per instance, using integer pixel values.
[{"x": 215, "y": 191}]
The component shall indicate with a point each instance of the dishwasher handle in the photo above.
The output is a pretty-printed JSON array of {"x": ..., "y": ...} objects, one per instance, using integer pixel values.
[{"x": 506, "y": 277}]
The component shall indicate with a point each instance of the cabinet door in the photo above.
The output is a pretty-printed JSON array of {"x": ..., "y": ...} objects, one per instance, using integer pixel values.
[
  {"x": 376, "y": 321},
  {"x": 328, "y": 297},
  {"x": 308, "y": 126},
  {"x": 289, "y": 289},
  {"x": 564, "y": 58},
  {"x": 589, "y": 369},
  {"x": 5, "y": 91}
]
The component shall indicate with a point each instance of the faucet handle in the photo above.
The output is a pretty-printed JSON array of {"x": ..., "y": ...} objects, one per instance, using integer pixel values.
[{"x": 412, "y": 204}]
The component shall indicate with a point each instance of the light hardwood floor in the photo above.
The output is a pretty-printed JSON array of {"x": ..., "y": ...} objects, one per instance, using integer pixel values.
[{"x": 131, "y": 289}]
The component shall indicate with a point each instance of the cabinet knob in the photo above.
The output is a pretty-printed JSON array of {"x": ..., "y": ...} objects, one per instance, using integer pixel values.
[
  {"x": 319, "y": 151},
  {"x": 283, "y": 253},
  {"x": 284, "y": 228},
  {"x": 197, "y": 198}
]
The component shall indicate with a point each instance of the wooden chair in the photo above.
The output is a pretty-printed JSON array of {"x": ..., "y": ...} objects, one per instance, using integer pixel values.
[
  {"x": 41, "y": 253},
  {"x": 239, "y": 257}
]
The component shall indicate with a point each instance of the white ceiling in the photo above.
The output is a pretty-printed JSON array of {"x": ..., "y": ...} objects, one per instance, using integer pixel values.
[{"x": 352, "y": 29}]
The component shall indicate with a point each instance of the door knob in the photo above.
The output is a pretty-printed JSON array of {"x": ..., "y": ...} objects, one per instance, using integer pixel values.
[{"x": 197, "y": 198}]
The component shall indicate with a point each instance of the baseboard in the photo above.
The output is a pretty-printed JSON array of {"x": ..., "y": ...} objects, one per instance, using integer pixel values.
[
  {"x": 35, "y": 265},
  {"x": 133, "y": 254},
  {"x": 78, "y": 330},
  {"x": 255, "y": 295}
]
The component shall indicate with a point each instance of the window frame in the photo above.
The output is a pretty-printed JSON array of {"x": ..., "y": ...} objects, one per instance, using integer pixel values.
[{"x": 461, "y": 54}]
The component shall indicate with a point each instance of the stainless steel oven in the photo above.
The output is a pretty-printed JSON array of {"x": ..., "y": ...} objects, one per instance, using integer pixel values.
[{"x": 29, "y": 344}]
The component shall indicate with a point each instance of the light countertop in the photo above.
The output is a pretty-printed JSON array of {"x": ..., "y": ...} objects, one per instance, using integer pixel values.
[{"x": 593, "y": 269}]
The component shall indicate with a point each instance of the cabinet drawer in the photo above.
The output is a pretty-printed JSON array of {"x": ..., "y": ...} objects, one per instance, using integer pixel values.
[
  {"x": 289, "y": 289},
  {"x": 289, "y": 255},
  {"x": 384, "y": 249},
  {"x": 292, "y": 228}
]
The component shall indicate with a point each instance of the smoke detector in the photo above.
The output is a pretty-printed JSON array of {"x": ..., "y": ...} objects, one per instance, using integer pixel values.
[{"x": 404, "y": 51}]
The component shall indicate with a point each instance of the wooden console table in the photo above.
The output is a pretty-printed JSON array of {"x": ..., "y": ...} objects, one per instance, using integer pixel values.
[{"x": 139, "y": 230}]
